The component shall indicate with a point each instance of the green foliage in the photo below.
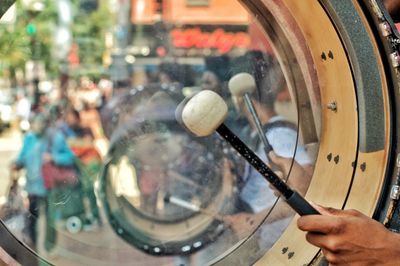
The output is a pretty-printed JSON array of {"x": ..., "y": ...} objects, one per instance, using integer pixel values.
[
  {"x": 88, "y": 32},
  {"x": 14, "y": 46},
  {"x": 32, "y": 36},
  {"x": 29, "y": 37}
]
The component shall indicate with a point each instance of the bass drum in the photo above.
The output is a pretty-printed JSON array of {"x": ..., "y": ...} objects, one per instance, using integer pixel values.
[
  {"x": 341, "y": 61},
  {"x": 169, "y": 194}
]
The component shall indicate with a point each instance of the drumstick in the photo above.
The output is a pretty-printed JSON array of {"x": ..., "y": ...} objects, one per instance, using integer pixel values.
[
  {"x": 242, "y": 85},
  {"x": 204, "y": 113},
  {"x": 190, "y": 206}
]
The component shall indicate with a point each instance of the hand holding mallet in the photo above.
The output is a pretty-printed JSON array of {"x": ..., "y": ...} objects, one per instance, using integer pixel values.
[{"x": 205, "y": 113}]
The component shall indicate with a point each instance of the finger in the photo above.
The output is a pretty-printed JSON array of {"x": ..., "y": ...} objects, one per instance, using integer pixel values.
[
  {"x": 329, "y": 244},
  {"x": 352, "y": 212},
  {"x": 332, "y": 258},
  {"x": 324, "y": 224},
  {"x": 336, "y": 212},
  {"x": 318, "y": 240},
  {"x": 326, "y": 210}
]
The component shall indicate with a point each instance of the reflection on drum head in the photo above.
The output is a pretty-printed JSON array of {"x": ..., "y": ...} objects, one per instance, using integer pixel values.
[{"x": 161, "y": 184}]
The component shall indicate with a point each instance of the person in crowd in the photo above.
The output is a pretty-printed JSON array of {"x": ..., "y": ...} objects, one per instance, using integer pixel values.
[
  {"x": 23, "y": 110},
  {"x": 256, "y": 198},
  {"x": 170, "y": 74},
  {"x": 33, "y": 144},
  {"x": 88, "y": 92},
  {"x": 90, "y": 118},
  {"x": 105, "y": 86},
  {"x": 34, "y": 153},
  {"x": 215, "y": 78},
  {"x": 89, "y": 162}
]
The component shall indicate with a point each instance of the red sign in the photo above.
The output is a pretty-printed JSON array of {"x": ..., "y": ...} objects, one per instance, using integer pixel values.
[{"x": 218, "y": 39}]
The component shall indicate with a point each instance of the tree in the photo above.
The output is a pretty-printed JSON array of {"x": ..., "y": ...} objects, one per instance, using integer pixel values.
[
  {"x": 17, "y": 45},
  {"x": 89, "y": 29}
]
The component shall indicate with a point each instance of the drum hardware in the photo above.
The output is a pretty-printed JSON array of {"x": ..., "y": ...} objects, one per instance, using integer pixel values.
[
  {"x": 394, "y": 199},
  {"x": 336, "y": 159},
  {"x": 386, "y": 25},
  {"x": 385, "y": 28},
  {"x": 395, "y": 58},
  {"x": 380, "y": 11},
  {"x": 330, "y": 55},
  {"x": 377, "y": 9},
  {"x": 395, "y": 42},
  {"x": 332, "y": 106},
  {"x": 395, "y": 192}
]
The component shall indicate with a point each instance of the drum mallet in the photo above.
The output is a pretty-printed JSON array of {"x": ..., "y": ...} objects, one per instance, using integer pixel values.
[
  {"x": 190, "y": 206},
  {"x": 205, "y": 113},
  {"x": 241, "y": 85}
]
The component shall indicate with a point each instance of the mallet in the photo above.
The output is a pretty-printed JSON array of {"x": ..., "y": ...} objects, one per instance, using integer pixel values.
[
  {"x": 241, "y": 85},
  {"x": 205, "y": 113},
  {"x": 190, "y": 206}
]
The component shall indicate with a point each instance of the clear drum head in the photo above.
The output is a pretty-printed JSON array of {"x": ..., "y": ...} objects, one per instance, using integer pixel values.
[{"x": 104, "y": 80}]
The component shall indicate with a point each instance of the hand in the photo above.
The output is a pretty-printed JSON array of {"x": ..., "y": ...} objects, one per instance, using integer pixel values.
[
  {"x": 47, "y": 157},
  {"x": 299, "y": 178},
  {"x": 348, "y": 237}
]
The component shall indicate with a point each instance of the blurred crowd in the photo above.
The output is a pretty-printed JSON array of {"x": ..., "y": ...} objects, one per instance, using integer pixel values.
[{"x": 60, "y": 158}]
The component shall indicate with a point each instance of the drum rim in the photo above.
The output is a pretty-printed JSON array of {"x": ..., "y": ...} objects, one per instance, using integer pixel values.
[{"x": 304, "y": 252}]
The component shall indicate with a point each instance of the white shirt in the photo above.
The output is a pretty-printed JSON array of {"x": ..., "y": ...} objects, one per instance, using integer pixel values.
[{"x": 256, "y": 192}]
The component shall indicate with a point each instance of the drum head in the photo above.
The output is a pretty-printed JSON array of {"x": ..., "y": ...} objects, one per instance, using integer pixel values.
[{"x": 326, "y": 99}]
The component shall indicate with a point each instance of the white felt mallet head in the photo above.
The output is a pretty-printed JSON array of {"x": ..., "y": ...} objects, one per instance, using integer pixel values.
[
  {"x": 241, "y": 84},
  {"x": 204, "y": 113}
]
